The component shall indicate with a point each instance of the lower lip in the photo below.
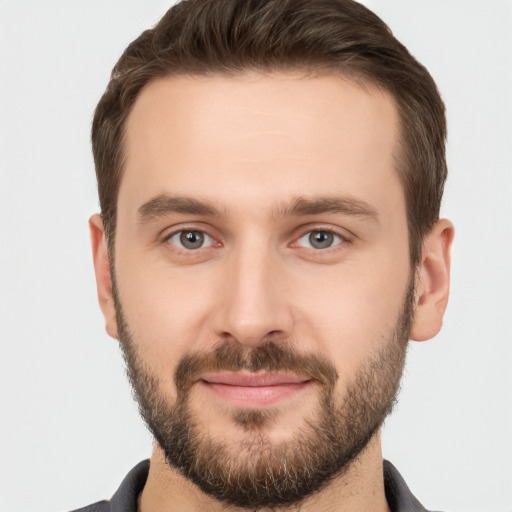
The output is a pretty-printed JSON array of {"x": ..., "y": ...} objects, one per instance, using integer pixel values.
[{"x": 255, "y": 396}]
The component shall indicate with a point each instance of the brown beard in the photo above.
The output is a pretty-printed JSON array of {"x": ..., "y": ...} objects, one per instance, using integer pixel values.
[{"x": 266, "y": 474}]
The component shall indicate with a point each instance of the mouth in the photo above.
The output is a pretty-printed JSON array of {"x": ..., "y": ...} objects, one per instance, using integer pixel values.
[{"x": 254, "y": 390}]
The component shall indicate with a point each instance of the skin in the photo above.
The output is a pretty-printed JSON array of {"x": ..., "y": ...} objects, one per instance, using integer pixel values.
[{"x": 250, "y": 146}]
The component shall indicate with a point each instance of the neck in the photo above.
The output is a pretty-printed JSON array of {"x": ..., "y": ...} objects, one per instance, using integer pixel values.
[{"x": 360, "y": 488}]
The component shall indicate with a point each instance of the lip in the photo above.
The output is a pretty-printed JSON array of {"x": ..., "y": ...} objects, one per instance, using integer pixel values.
[{"x": 254, "y": 390}]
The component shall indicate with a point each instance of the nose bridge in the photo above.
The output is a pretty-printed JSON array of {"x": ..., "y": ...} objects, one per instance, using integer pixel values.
[{"x": 253, "y": 303}]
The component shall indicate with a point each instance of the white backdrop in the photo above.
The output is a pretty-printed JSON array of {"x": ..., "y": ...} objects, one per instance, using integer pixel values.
[{"x": 69, "y": 430}]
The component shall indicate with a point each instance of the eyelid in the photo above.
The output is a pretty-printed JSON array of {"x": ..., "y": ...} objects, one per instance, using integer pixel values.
[
  {"x": 168, "y": 233},
  {"x": 344, "y": 234},
  {"x": 341, "y": 239},
  {"x": 208, "y": 240}
]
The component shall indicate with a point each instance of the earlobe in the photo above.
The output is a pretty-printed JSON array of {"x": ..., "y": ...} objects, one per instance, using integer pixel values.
[
  {"x": 433, "y": 282},
  {"x": 103, "y": 277}
]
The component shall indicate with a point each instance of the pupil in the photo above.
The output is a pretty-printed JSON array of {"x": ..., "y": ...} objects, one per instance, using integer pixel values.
[
  {"x": 192, "y": 239},
  {"x": 321, "y": 239}
]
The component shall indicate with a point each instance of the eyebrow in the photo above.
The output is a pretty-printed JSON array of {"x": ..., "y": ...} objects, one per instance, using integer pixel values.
[
  {"x": 164, "y": 204},
  {"x": 331, "y": 204}
]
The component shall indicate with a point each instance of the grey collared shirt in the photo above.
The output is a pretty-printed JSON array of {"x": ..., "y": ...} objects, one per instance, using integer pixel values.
[{"x": 400, "y": 498}]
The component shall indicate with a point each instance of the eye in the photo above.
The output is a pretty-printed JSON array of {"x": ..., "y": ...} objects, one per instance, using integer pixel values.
[
  {"x": 190, "y": 239},
  {"x": 320, "y": 239}
]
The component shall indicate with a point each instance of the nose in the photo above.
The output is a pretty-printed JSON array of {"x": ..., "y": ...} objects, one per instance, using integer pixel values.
[{"x": 253, "y": 306}]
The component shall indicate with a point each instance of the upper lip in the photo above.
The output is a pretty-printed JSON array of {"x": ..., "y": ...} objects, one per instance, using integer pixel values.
[{"x": 253, "y": 379}]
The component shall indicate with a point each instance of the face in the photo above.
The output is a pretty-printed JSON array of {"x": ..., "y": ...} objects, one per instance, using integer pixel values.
[{"x": 262, "y": 283}]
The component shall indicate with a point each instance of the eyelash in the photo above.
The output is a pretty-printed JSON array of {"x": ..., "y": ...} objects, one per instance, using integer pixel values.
[
  {"x": 343, "y": 239},
  {"x": 168, "y": 238}
]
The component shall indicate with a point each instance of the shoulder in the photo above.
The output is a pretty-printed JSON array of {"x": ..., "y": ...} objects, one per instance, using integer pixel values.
[
  {"x": 125, "y": 498},
  {"x": 399, "y": 496},
  {"x": 100, "y": 506}
]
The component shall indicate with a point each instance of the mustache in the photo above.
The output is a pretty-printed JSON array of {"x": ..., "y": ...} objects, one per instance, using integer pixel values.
[{"x": 271, "y": 356}]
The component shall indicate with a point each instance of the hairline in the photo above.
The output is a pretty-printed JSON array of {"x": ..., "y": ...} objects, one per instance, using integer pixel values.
[{"x": 343, "y": 70}]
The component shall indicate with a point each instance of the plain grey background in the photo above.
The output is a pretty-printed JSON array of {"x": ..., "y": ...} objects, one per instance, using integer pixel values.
[{"x": 69, "y": 430}]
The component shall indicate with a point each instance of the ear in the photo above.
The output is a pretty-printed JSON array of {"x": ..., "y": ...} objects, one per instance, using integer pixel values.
[
  {"x": 433, "y": 282},
  {"x": 103, "y": 277}
]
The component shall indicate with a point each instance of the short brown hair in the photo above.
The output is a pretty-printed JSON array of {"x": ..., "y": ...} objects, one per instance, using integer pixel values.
[{"x": 200, "y": 37}]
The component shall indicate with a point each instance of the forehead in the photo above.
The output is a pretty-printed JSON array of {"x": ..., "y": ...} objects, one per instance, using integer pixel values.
[{"x": 284, "y": 135}]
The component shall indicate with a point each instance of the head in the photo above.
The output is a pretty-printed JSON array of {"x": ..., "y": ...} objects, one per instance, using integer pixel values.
[
  {"x": 230, "y": 37},
  {"x": 270, "y": 176}
]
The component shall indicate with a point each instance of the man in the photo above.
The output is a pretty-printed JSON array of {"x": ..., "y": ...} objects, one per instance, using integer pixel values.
[{"x": 270, "y": 176}]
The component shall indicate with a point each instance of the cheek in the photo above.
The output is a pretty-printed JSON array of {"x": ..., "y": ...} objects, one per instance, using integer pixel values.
[
  {"x": 165, "y": 311},
  {"x": 344, "y": 311},
  {"x": 351, "y": 314}
]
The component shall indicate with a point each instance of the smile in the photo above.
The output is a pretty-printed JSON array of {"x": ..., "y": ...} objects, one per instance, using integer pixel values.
[{"x": 250, "y": 390}]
